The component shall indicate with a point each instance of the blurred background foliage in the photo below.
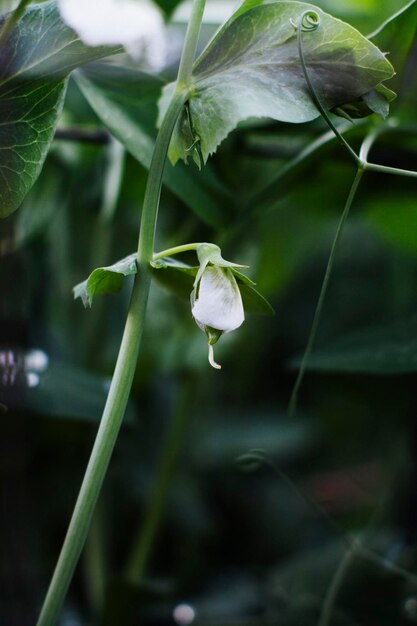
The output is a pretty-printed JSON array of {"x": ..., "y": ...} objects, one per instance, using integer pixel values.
[{"x": 268, "y": 521}]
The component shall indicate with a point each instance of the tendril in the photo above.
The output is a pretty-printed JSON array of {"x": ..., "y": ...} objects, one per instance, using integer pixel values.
[{"x": 308, "y": 22}]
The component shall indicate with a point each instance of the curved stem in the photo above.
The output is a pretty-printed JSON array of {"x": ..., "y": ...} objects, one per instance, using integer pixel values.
[
  {"x": 368, "y": 143},
  {"x": 154, "y": 183},
  {"x": 315, "y": 97},
  {"x": 177, "y": 250},
  {"x": 128, "y": 353},
  {"x": 335, "y": 584},
  {"x": 101, "y": 453},
  {"x": 292, "y": 407},
  {"x": 190, "y": 45}
]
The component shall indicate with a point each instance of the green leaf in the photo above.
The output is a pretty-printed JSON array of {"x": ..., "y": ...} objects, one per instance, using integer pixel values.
[
  {"x": 253, "y": 301},
  {"x": 390, "y": 349},
  {"x": 396, "y": 36},
  {"x": 379, "y": 99},
  {"x": 252, "y": 69},
  {"x": 37, "y": 57},
  {"x": 126, "y": 102},
  {"x": 105, "y": 280},
  {"x": 375, "y": 101}
]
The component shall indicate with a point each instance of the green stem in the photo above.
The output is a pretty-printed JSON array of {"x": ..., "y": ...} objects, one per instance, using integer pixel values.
[
  {"x": 142, "y": 545},
  {"x": 100, "y": 456},
  {"x": 335, "y": 584},
  {"x": 313, "y": 92},
  {"x": 368, "y": 142},
  {"x": 154, "y": 183},
  {"x": 177, "y": 250},
  {"x": 129, "y": 349},
  {"x": 190, "y": 45},
  {"x": 385, "y": 169},
  {"x": 292, "y": 407},
  {"x": 375, "y": 167},
  {"x": 13, "y": 18},
  {"x": 95, "y": 565}
]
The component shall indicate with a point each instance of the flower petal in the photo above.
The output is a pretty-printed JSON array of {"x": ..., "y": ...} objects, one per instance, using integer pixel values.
[
  {"x": 135, "y": 24},
  {"x": 219, "y": 303}
]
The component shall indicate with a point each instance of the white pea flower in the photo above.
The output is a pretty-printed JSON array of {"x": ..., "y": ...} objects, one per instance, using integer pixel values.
[
  {"x": 216, "y": 301},
  {"x": 137, "y": 25}
]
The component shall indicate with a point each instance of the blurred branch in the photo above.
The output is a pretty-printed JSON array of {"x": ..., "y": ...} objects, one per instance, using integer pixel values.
[
  {"x": 174, "y": 443},
  {"x": 82, "y": 135}
]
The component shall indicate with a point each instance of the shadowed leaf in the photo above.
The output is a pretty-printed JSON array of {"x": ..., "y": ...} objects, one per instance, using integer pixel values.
[
  {"x": 390, "y": 349},
  {"x": 105, "y": 280},
  {"x": 35, "y": 61},
  {"x": 252, "y": 69}
]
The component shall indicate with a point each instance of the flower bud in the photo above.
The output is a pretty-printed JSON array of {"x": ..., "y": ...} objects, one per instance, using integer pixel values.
[{"x": 216, "y": 302}]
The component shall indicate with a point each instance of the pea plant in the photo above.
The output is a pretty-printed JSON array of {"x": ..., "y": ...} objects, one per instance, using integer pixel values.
[{"x": 286, "y": 61}]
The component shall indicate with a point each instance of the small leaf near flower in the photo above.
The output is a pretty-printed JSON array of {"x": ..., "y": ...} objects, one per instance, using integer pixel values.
[{"x": 105, "y": 280}]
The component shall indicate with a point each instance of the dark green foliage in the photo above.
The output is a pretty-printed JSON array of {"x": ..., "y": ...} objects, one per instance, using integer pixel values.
[
  {"x": 35, "y": 62},
  {"x": 261, "y": 509}
]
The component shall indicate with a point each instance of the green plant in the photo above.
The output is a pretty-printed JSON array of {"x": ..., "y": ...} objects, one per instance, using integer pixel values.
[{"x": 279, "y": 60}]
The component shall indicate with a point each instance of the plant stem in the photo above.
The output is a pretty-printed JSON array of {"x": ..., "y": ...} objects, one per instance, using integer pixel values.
[
  {"x": 142, "y": 545},
  {"x": 335, "y": 584},
  {"x": 385, "y": 169},
  {"x": 190, "y": 45},
  {"x": 95, "y": 565},
  {"x": 177, "y": 250},
  {"x": 10, "y": 21},
  {"x": 292, "y": 407},
  {"x": 100, "y": 456},
  {"x": 129, "y": 349},
  {"x": 314, "y": 94}
]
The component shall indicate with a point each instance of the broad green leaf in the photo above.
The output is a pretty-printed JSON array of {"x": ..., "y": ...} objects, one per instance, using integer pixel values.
[
  {"x": 396, "y": 36},
  {"x": 35, "y": 61},
  {"x": 105, "y": 280},
  {"x": 126, "y": 102},
  {"x": 390, "y": 349},
  {"x": 252, "y": 69}
]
